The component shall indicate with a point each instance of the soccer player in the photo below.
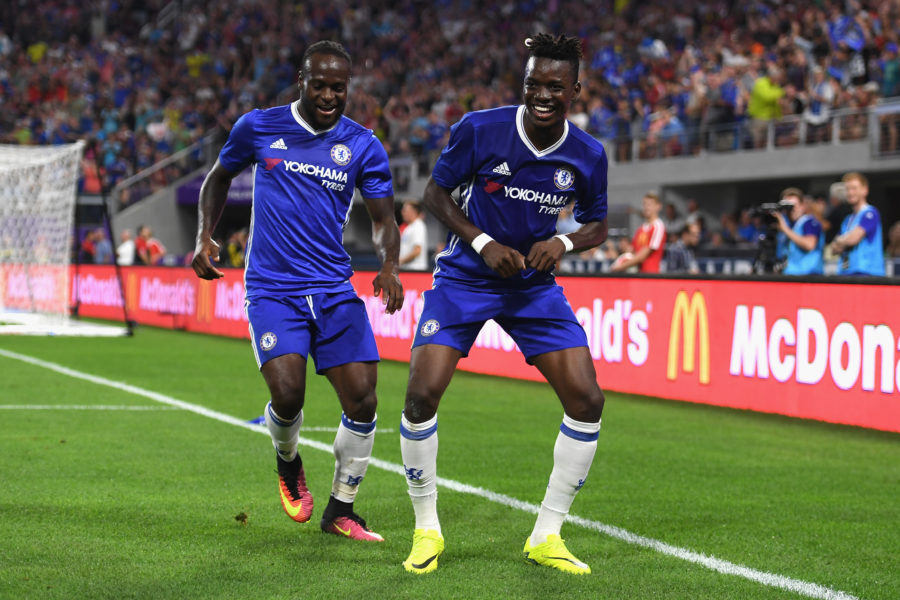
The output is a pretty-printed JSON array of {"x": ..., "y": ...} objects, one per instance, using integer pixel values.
[
  {"x": 307, "y": 158},
  {"x": 649, "y": 240},
  {"x": 517, "y": 167},
  {"x": 806, "y": 240},
  {"x": 860, "y": 241}
]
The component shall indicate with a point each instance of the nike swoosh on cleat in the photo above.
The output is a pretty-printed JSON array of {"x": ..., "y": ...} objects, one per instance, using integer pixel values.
[
  {"x": 289, "y": 508},
  {"x": 577, "y": 564},
  {"x": 424, "y": 564},
  {"x": 345, "y": 532}
]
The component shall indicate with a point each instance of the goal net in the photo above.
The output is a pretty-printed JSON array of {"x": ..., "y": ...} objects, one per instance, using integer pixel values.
[{"x": 38, "y": 188}]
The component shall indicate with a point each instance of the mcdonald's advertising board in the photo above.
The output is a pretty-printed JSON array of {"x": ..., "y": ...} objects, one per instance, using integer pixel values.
[{"x": 821, "y": 351}]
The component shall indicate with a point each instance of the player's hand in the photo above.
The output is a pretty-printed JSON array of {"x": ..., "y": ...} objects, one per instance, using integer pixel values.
[
  {"x": 506, "y": 261},
  {"x": 206, "y": 249},
  {"x": 544, "y": 256},
  {"x": 387, "y": 285}
]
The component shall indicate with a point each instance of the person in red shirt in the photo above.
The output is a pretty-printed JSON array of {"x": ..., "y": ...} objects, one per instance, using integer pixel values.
[{"x": 649, "y": 240}]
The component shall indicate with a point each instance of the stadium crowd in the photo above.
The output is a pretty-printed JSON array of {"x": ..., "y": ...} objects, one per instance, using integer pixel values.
[
  {"x": 142, "y": 80},
  {"x": 145, "y": 79}
]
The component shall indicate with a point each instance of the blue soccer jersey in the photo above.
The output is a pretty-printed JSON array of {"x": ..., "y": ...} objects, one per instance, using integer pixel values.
[
  {"x": 513, "y": 191},
  {"x": 303, "y": 184},
  {"x": 867, "y": 257},
  {"x": 799, "y": 261}
]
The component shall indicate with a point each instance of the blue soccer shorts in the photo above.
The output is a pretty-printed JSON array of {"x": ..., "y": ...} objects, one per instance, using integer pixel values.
[
  {"x": 333, "y": 328},
  {"x": 539, "y": 319}
]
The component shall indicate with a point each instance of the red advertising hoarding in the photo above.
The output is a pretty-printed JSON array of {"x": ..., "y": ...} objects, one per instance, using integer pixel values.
[{"x": 821, "y": 351}]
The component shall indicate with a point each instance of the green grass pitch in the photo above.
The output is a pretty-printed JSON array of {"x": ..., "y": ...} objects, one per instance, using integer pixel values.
[{"x": 145, "y": 503}]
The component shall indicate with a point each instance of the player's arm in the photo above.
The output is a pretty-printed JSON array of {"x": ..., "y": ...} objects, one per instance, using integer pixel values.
[
  {"x": 504, "y": 260},
  {"x": 213, "y": 195},
  {"x": 386, "y": 239},
  {"x": 544, "y": 255}
]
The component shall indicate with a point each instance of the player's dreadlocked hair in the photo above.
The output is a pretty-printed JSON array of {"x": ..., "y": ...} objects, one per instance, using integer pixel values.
[
  {"x": 556, "y": 47},
  {"x": 325, "y": 47}
]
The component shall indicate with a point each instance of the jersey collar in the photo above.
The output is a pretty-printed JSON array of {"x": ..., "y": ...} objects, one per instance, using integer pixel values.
[
  {"x": 520, "y": 127},
  {"x": 295, "y": 111}
]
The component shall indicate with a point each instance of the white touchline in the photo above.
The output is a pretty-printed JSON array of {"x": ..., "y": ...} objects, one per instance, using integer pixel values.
[
  {"x": 81, "y": 407},
  {"x": 805, "y": 588}
]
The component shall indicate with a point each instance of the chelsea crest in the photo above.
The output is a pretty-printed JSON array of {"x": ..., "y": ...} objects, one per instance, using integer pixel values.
[{"x": 340, "y": 154}]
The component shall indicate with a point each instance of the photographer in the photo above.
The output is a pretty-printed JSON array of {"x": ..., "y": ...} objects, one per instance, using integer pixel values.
[
  {"x": 806, "y": 240},
  {"x": 859, "y": 241}
]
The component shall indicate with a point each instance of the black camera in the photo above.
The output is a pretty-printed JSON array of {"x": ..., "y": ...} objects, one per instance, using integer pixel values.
[{"x": 767, "y": 259}]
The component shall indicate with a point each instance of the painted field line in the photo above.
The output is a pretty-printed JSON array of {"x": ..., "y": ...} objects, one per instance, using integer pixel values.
[
  {"x": 804, "y": 588},
  {"x": 81, "y": 407}
]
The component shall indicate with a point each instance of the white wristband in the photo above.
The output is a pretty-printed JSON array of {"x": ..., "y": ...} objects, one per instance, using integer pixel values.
[
  {"x": 480, "y": 242},
  {"x": 566, "y": 241}
]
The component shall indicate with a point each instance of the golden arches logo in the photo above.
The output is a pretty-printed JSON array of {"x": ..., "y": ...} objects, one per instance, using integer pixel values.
[
  {"x": 691, "y": 320},
  {"x": 205, "y": 301}
]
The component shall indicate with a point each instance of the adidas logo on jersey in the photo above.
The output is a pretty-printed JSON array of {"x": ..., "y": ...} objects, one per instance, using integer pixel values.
[
  {"x": 278, "y": 144},
  {"x": 502, "y": 169}
]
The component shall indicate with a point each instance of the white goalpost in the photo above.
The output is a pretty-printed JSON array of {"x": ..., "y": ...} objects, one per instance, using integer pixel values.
[{"x": 38, "y": 189}]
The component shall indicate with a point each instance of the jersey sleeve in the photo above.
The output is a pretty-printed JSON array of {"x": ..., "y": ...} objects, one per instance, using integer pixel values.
[
  {"x": 456, "y": 163},
  {"x": 239, "y": 152},
  {"x": 869, "y": 221},
  {"x": 657, "y": 235},
  {"x": 591, "y": 206},
  {"x": 812, "y": 227},
  {"x": 375, "y": 177}
]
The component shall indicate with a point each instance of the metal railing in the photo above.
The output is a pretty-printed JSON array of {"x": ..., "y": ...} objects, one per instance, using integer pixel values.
[
  {"x": 143, "y": 183},
  {"x": 879, "y": 124}
]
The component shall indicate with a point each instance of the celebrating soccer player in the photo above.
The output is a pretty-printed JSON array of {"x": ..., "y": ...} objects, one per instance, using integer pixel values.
[
  {"x": 307, "y": 159},
  {"x": 517, "y": 167}
]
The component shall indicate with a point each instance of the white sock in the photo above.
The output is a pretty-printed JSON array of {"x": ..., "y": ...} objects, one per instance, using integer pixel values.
[
  {"x": 572, "y": 458},
  {"x": 419, "y": 446},
  {"x": 285, "y": 433},
  {"x": 352, "y": 450}
]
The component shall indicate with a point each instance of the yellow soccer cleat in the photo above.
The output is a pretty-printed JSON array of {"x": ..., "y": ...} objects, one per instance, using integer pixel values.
[
  {"x": 428, "y": 545},
  {"x": 553, "y": 553}
]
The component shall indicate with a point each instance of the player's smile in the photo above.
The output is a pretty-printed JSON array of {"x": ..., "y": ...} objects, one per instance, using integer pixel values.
[
  {"x": 323, "y": 88},
  {"x": 548, "y": 91}
]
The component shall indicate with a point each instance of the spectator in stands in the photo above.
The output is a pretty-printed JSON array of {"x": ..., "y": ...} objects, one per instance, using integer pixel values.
[
  {"x": 893, "y": 247},
  {"x": 818, "y": 108},
  {"x": 806, "y": 240},
  {"x": 859, "y": 242},
  {"x": 88, "y": 249},
  {"x": 125, "y": 250},
  {"x": 413, "y": 238},
  {"x": 748, "y": 227},
  {"x": 236, "y": 248},
  {"x": 672, "y": 220},
  {"x": 680, "y": 254},
  {"x": 764, "y": 106},
  {"x": 102, "y": 247},
  {"x": 649, "y": 240}
]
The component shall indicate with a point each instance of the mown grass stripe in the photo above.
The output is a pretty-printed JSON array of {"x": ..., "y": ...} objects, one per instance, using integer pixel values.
[{"x": 805, "y": 588}]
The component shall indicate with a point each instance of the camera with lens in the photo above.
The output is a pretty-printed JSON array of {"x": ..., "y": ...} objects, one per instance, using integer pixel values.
[{"x": 767, "y": 260}]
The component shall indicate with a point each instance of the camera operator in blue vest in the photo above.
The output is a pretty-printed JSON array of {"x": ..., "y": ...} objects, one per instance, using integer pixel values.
[{"x": 806, "y": 240}]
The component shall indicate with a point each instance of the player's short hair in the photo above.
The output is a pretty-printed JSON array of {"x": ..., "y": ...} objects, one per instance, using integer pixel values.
[
  {"x": 325, "y": 47},
  {"x": 415, "y": 205},
  {"x": 653, "y": 196},
  {"x": 792, "y": 191},
  {"x": 855, "y": 175},
  {"x": 556, "y": 47}
]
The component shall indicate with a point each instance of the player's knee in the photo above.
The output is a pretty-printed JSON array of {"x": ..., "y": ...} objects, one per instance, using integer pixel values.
[
  {"x": 287, "y": 398},
  {"x": 587, "y": 407},
  {"x": 361, "y": 404},
  {"x": 421, "y": 404}
]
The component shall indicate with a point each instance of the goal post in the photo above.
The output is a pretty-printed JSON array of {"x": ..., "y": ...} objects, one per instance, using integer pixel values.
[{"x": 38, "y": 191}]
